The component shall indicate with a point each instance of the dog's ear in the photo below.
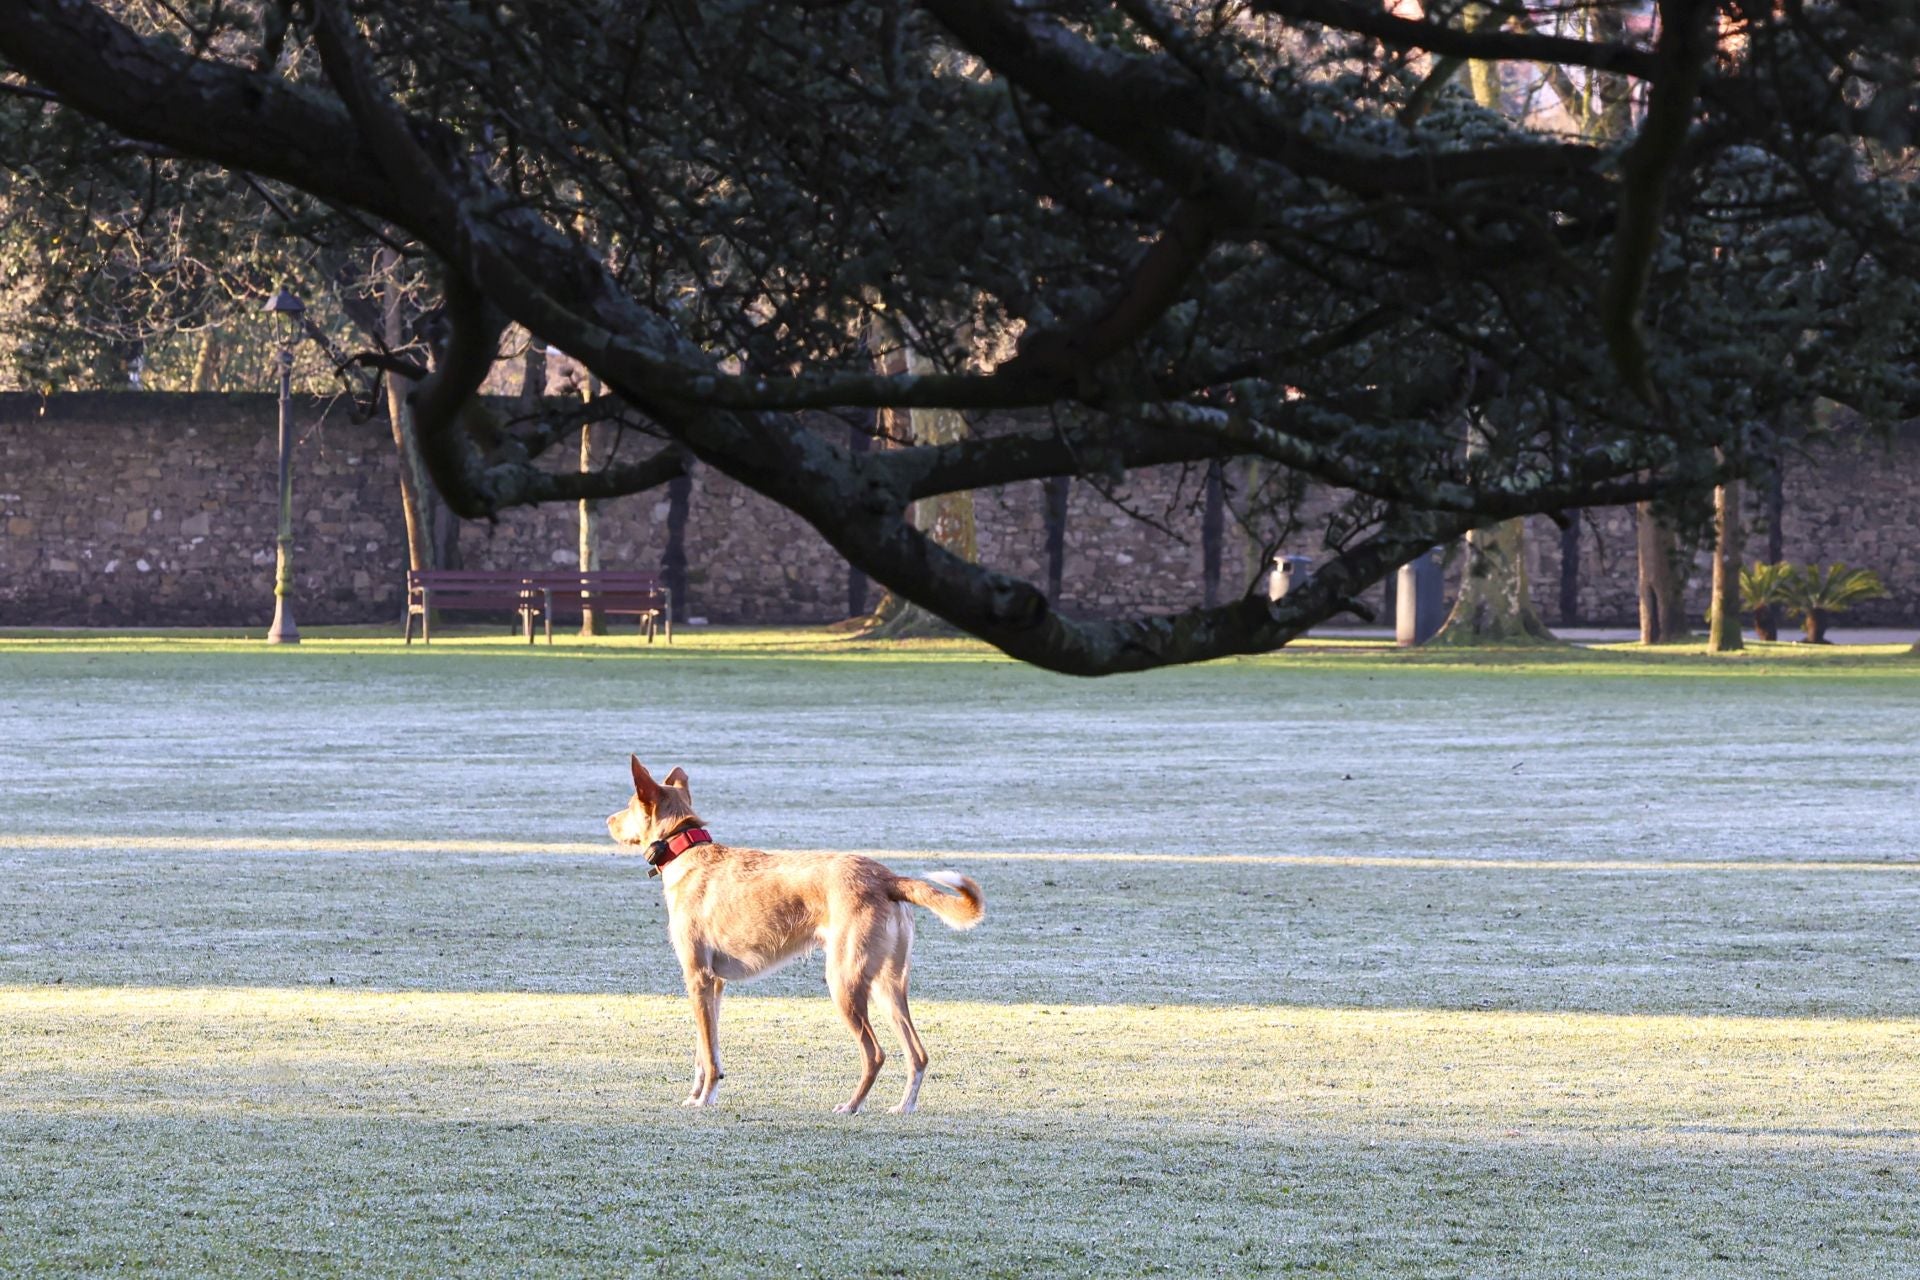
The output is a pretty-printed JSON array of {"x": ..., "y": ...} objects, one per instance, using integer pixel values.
[
  {"x": 678, "y": 778},
  {"x": 643, "y": 784}
]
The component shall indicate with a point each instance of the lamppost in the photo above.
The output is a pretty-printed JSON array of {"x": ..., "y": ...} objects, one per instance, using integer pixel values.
[{"x": 290, "y": 309}]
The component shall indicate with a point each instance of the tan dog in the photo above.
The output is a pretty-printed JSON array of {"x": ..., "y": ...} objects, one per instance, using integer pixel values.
[{"x": 735, "y": 914}]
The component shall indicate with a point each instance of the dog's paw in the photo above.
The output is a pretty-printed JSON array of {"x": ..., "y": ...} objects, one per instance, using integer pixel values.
[
  {"x": 847, "y": 1109},
  {"x": 901, "y": 1109}
]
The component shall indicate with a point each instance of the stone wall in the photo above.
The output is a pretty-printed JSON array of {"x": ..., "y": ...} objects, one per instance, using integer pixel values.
[
  {"x": 1857, "y": 502},
  {"x": 129, "y": 509},
  {"x": 143, "y": 509}
]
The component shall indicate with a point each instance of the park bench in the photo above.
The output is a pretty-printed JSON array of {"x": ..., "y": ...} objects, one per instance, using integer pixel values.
[
  {"x": 612, "y": 593},
  {"x": 543, "y": 593}
]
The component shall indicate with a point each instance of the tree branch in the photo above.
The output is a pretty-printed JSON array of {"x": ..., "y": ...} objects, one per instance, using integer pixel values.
[
  {"x": 1484, "y": 45},
  {"x": 1685, "y": 44}
]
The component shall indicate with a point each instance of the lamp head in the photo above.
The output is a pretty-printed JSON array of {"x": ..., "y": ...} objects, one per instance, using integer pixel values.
[{"x": 286, "y": 303}]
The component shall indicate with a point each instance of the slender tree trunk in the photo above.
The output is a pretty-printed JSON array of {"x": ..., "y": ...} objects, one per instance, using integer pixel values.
[
  {"x": 1056, "y": 490},
  {"x": 1212, "y": 527},
  {"x": 533, "y": 373},
  {"x": 400, "y": 417},
  {"x": 1570, "y": 571},
  {"x": 859, "y": 440},
  {"x": 206, "y": 365},
  {"x": 1255, "y": 563},
  {"x": 673, "y": 561},
  {"x": 1494, "y": 605},
  {"x": 1766, "y": 619},
  {"x": 946, "y": 518},
  {"x": 591, "y": 623},
  {"x": 1723, "y": 621},
  {"x": 1662, "y": 615}
]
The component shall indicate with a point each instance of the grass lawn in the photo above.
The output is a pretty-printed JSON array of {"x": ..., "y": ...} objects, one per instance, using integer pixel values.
[{"x": 1339, "y": 962}]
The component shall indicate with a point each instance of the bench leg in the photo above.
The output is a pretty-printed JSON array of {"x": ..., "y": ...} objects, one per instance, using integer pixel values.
[{"x": 409, "y": 630}]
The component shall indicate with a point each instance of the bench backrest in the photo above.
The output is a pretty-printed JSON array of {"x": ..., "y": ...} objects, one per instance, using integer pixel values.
[
  {"x": 464, "y": 577},
  {"x": 590, "y": 579},
  {"x": 605, "y": 588},
  {"x": 469, "y": 588},
  {"x": 567, "y": 587}
]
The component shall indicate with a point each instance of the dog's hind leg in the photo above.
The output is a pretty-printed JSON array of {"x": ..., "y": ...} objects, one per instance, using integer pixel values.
[
  {"x": 891, "y": 986},
  {"x": 705, "y": 990},
  {"x": 850, "y": 984}
]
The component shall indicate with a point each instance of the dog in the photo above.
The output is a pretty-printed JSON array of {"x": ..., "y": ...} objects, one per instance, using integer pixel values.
[{"x": 735, "y": 914}]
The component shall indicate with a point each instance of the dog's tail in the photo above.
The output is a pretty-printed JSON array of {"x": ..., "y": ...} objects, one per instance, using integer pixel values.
[{"x": 957, "y": 901}]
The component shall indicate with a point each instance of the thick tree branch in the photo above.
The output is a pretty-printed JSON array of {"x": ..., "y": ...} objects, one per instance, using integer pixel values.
[
  {"x": 1131, "y": 104},
  {"x": 1686, "y": 41},
  {"x": 1155, "y": 284},
  {"x": 1483, "y": 45}
]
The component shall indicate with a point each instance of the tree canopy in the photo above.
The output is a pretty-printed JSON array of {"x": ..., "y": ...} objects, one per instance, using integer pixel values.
[{"x": 1134, "y": 233}]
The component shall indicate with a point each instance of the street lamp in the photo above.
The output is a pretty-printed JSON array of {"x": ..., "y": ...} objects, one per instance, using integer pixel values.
[{"x": 290, "y": 309}]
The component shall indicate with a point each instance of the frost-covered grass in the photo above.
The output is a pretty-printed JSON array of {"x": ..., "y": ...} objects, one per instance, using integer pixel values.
[{"x": 313, "y": 963}]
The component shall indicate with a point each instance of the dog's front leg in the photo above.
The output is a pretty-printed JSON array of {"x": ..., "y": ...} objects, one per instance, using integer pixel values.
[{"x": 704, "y": 990}]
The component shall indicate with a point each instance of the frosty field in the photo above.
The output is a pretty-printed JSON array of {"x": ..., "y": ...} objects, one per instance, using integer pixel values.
[{"x": 317, "y": 963}]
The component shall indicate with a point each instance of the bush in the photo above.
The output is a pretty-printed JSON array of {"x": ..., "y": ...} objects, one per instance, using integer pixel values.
[{"x": 1816, "y": 594}]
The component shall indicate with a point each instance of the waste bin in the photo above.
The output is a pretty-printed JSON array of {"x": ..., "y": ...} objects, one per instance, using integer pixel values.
[
  {"x": 1289, "y": 573},
  {"x": 1421, "y": 595}
]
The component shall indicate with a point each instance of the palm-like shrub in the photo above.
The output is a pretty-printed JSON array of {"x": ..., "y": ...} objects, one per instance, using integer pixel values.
[
  {"x": 1763, "y": 588},
  {"x": 1816, "y": 594}
]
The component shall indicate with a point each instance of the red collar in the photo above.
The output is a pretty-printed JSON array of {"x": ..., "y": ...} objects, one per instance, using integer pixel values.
[{"x": 661, "y": 852}]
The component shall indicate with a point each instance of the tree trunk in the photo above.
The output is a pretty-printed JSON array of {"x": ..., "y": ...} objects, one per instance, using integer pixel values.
[
  {"x": 1256, "y": 561},
  {"x": 859, "y": 440},
  {"x": 673, "y": 561},
  {"x": 1494, "y": 605},
  {"x": 533, "y": 373},
  {"x": 412, "y": 469},
  {"x": 947, "y": 518},
  {"x": 591, "y": 623},
  {"x": 1723, "y": 621},
  {"x": 1570, "y": 571},
  {"x": 1055, "y": 490},
  {"x": 206, "y": 365},
  {"x": 1662, "y": 615},
  {"x": 1766, "y": 619},
  {"x": 1212, "y": 528}
]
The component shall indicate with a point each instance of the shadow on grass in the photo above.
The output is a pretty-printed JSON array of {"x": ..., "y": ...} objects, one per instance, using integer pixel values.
[{"x": 1767, "y": 937}]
